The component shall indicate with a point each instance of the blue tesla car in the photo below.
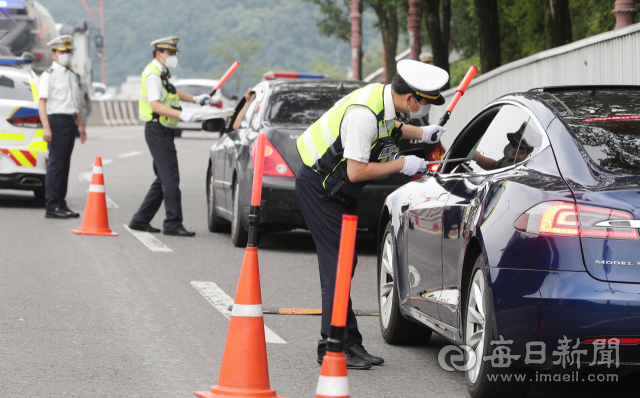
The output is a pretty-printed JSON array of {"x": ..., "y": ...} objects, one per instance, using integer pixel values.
[{"x": 522, "y": 247}]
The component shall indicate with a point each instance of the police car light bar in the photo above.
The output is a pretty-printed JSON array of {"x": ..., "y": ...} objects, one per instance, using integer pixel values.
[
  {"x": 25, "y": 58},
  {"x": 12, "y": 4},
  {"x": 271, "y": 75}
]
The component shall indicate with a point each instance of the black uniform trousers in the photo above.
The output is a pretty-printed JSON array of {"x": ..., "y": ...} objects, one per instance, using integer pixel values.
[
  {"x": 324, "y": 219},
  {"x": 166, "y": 185},
  {"x": 63, "y": 136}
]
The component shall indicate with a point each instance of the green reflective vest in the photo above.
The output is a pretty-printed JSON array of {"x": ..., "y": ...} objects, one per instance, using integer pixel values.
[
  {"x": 144, "y": 107},
  {"x": 320, "y": 146}
]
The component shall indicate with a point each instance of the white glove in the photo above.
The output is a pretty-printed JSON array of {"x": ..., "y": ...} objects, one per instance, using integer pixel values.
[
  {"x": 202, "y": 99},
  {"x": 413, "y": 164},
  {"x": 188, "y": 117},
  {"x": 429, "y": 131}
]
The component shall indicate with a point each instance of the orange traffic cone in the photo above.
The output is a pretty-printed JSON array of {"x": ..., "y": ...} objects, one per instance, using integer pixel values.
[
  {"x": 244, "y": 371},
  {"x": 333, "y": 381},
  {"x": 95, "y": 220}
]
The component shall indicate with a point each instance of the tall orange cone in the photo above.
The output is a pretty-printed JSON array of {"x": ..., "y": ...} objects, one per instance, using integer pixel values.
[
  {"x": 333, "y": 381},
  {"x": 244, "y": 371},
  {"x": 95, "y": 220}
]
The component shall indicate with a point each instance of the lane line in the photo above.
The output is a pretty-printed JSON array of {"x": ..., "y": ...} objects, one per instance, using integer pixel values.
[
  {"x": 110, "y": 203},
  {"x": 221, "y": 300},
  {"x": 129, "y": 154},
  {"x": 149, "y": 240},
  {"x": 85, "y": 176}
]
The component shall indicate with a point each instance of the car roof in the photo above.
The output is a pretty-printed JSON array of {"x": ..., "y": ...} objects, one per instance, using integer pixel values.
[
  {"x": 322, "y": 84},
  {"x": 14, "y": 71}
]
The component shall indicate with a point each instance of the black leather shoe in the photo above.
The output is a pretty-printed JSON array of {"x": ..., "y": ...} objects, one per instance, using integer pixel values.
[
  {"x": 180, "y": 231},
  {"x": 353, "y": 361},
  {"x": 359, "y": 351},
  {"x": 57, "y": 213},
  {"x": 144, "y": 227},
  {"x": 72, "y": 214}
]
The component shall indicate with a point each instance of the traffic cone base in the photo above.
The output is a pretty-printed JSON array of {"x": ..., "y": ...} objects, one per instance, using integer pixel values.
[
  {"x": 333, "y": 381},
  {"x": 95, "y": 220},
  {"x": 244, "y": 371}
]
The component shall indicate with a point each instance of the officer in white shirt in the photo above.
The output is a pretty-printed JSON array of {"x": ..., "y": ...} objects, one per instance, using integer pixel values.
[
  {"x": 61, "y": 122},
  {"x": 159, "y": 108}
]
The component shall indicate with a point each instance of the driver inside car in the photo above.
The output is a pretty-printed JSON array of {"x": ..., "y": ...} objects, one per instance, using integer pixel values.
[{"x": 514, "y": 152}]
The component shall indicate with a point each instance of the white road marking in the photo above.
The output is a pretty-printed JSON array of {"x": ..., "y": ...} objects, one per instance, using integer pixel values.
[
  {"x": 149, "y": 240},
  {"x": 110, "y": 203},
  {"x": 130, "y": 154},
  {"x": 221, "y": 300},
  {"x": 85, "y": 176}
]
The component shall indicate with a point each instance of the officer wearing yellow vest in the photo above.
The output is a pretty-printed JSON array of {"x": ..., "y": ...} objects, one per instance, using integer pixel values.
[
  {"x": 160, "y": 109},
  {"x": 343, "y": 150}
]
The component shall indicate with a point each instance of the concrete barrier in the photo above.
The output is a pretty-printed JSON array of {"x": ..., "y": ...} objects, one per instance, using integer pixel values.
[{"x": 114, "y": 113}]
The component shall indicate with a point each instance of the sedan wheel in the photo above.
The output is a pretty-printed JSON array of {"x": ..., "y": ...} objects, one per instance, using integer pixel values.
[
  {"x": 474, "y": 325},
  {"x": 239, "y": 235},
  {"x": 394, "y": 327}
]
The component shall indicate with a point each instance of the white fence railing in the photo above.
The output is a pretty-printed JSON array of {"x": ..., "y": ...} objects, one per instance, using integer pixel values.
[
  {"x": 608, "y": 58},
  {"x": 114, "y": 113}
]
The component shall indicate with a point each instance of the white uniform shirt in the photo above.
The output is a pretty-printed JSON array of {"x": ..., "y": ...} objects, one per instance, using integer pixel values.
[
  {"x": 359, "y": 128},
  {"x": 154, "y": 84},
  {"x": 59, "y": 86}
]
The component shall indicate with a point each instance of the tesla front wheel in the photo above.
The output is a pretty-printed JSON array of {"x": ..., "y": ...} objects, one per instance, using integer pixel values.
[
  {"x": 484, "y": 380},
  {"x": 395, "y": 328},
  {"x": 239, "y": 235},
  {"x": 215, "y": 223}
]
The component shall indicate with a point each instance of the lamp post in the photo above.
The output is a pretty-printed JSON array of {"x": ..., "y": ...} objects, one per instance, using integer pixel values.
[
  {"x": 624, "y": 11},
  {"x": 356, "y": 39},
  {"x": 415, "y": 20},
  {"x": 99, "y": 12}
]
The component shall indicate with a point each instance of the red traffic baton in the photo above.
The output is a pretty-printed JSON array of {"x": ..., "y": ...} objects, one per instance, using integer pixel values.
[
  {"x": 256, "y": 194},
  {"x": 224, "y": 77},
  {"x": 459, "y": 93}
]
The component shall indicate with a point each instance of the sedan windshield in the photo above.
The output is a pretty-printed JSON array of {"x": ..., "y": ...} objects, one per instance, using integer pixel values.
[{"x": 300, "y": 107}]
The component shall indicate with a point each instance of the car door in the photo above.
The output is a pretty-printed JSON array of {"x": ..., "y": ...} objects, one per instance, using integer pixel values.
[{"x": 473, "y": 186}]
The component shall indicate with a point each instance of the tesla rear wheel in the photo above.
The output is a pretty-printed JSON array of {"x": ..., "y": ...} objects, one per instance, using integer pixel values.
[
  {"x": 395, "y": 328},
  {"x": 215, "y": 223},
  {"x": 239, "y": 234},
  {"x": 478, "y": 332}
]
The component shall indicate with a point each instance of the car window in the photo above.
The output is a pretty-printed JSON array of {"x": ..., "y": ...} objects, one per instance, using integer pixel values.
[
  {"x": 300, "y": 107},
  {"x": 511, "y": 138},
  {"x": 15, "y": 88},
  {"x": 248, "y": 114}
]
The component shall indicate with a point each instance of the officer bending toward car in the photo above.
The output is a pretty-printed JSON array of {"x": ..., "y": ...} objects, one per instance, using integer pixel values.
[
  {"x": 160, "y": 109},
  {"x": 347, "y": 147},
  {"x": 61, "y": 122}
]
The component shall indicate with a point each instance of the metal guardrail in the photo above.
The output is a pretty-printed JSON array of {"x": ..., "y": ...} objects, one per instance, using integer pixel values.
[
  {"x": 114, "y": 113},
  {"x": 608, "y": 58}
]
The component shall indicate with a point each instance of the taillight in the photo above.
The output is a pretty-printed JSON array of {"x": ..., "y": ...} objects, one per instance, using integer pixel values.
[
  {"x": 216, "y": 104},
  {"x": 568, "y": 219},
  {"x": 274, "y": 164},
  {"x": 436, "y": 154},
  {"x": 621, "y": 340},
  {"x": 26, "y": 121}
]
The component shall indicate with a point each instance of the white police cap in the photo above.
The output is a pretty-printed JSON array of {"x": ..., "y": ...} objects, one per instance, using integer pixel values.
[
  {"x": 170, "y": 43},
  {"x": 61, "y": 43},
  {"x": 426, "y": 57},
  {"x": 425, "y": 79}
]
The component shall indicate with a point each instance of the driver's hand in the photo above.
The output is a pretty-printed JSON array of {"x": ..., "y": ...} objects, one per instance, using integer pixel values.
[{"x": 247, "y": 95}]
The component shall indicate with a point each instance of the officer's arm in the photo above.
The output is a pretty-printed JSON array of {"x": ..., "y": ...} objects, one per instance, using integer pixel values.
[
  {"x": 163, "y": 110},
  {"x": 358, "y": 171},
  {"x": 44, "y": 119},
  {"x": 411, "y": 132},
  {"x": 184, "y": 97}
]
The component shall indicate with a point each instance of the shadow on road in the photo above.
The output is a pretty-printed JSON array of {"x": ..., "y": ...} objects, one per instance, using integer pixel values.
[
  {"x": 301, "y": 241},
  {"x": 22, "y": 200}
]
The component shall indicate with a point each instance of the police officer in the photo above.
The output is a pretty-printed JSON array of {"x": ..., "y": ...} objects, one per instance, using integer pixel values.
[
  {"x": 61, "y": 121},
  {"x": 343, "y": 150},
  {"x": 160, "y": 109}
]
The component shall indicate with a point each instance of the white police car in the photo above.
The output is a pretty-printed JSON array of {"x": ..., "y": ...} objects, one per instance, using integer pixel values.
[{"x": 23, "y": 152}]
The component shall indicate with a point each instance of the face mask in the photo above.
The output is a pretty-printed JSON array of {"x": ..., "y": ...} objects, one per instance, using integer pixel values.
[
  {"x": 422, "y": 112},
  {"x": 64, "y": 59},
  {"x": 508, "y": 151},
  {"x": 171, "y": 61}
]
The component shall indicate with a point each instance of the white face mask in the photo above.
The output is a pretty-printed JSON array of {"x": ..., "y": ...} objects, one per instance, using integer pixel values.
[
  {"x": 171, "y": 61},
  {"x": 508, "y": 151},
  {"x": 64, "y": 59},
  {"x": 422, "y": 112}
]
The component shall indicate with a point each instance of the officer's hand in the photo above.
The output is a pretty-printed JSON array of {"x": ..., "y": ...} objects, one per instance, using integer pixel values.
[
  {"x": 413, "y": 164},
  {"x": 431, "y": 134},
  {"x": 202, "y": 99},
  {"x": 46, "y": 134},
  {"x": 188, "y": 117},
  {"x": 83, "y": 134}
]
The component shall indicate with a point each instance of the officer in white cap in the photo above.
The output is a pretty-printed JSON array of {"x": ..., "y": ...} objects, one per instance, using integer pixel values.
[
  {"x": 159, "y": 108},
  {"x": 61, "y": 122},
  {"x": 347, "y": 147}
]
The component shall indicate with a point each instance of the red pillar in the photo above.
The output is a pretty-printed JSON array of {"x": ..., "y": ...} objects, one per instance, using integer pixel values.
[
  {"x": 625, "y": 10},
  {"x": 356, "y": 39},
  {"x": 415, "y": 20}
]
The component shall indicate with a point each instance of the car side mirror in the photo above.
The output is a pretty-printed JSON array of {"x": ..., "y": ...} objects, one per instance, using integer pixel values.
[
  {"x": 215, "y": 125},
  {"x": 99, "y": 40}
]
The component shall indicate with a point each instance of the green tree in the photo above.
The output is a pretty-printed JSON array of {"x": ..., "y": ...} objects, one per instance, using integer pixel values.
[
  {"x": 243, "y": 50},
  {"x": 322, "y": 66},
  {"x": 387, "y": 12},
  {"x": 439, "y": 27}
]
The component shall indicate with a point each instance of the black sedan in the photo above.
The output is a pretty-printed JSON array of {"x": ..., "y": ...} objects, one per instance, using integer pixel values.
[
  {"x": 282, "y": 109},
  {"x": 526, "y": 244}
]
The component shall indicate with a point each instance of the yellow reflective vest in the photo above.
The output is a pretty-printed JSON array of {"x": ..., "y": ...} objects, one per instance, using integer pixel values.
[{"x": 144, "y": 107}]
